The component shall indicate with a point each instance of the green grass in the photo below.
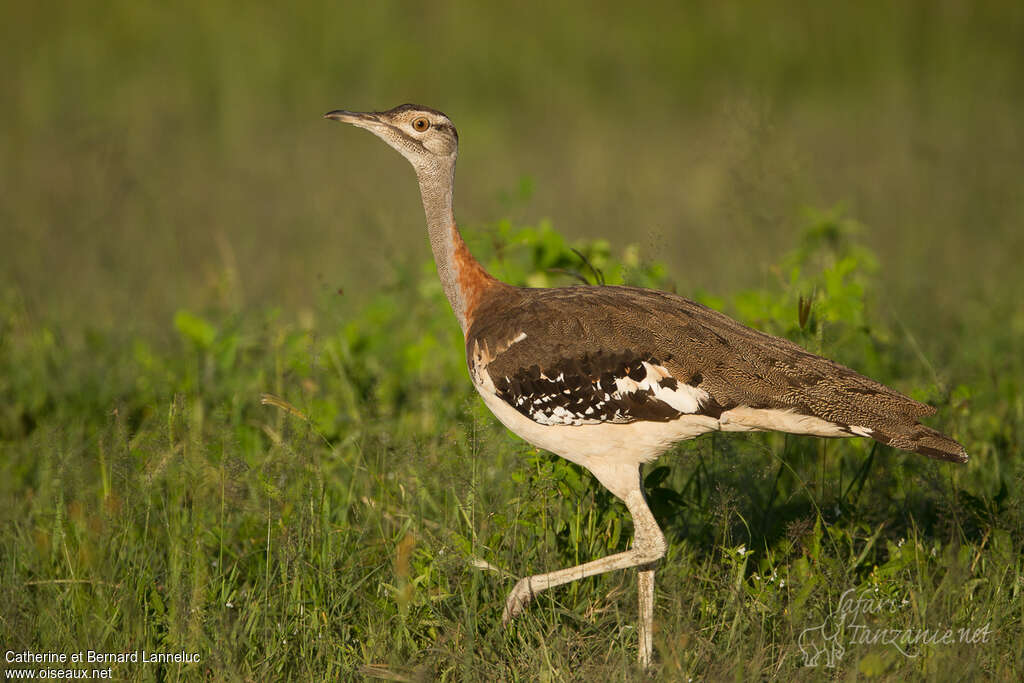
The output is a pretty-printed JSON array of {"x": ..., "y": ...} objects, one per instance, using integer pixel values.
[{"x": 304, "y": 497}]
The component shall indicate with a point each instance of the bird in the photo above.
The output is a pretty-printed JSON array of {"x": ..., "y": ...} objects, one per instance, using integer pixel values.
[{"x": 610, "y": 377}]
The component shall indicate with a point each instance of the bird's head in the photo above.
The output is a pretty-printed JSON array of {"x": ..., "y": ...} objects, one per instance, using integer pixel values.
[{"x": 422, "y": 135}]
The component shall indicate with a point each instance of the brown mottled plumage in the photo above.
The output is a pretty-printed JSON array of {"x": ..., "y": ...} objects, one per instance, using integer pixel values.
[
  {"x": 611, "y": 377},
  {"x": 736, "y": 365}
]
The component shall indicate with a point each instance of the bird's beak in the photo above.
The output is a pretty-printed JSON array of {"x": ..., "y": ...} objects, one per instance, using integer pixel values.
[
  {"x": 356, "y": 118},
  {"x": 377, "y": 123}
]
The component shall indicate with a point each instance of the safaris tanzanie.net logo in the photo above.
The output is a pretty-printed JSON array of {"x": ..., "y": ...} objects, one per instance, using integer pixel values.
[{"x": 866, "y": 617}]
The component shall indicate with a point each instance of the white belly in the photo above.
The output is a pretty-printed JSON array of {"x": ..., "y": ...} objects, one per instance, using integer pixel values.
[{"x": 629, "y": 443}]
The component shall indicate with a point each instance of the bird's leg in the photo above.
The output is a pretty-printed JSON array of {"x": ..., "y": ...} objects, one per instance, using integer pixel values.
[
  {"x": 648, "y": 547},
  {"x": 645, "y": 596}
]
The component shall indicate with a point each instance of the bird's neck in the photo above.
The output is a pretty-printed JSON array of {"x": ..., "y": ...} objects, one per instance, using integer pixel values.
[{"x": 464, "y": 280}]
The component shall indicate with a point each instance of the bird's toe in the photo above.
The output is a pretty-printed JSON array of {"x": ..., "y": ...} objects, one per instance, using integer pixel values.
[{"x": 518, "y": 598}]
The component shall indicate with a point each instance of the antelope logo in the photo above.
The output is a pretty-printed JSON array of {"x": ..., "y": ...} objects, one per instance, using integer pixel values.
[{"x": 821, "y": 644}]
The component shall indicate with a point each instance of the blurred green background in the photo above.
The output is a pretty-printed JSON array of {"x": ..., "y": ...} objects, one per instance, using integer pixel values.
[{"x": 149, "y": 148}]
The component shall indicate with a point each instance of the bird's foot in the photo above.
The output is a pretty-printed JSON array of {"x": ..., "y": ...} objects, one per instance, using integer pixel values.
[
  {"x": 517, "y": 600},
  {"x": 485, "y": 566}
]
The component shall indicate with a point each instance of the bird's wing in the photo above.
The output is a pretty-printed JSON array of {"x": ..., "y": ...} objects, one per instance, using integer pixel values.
[
  {"x": 562, "y": 360},
  {"x": 578, "y": 355}
]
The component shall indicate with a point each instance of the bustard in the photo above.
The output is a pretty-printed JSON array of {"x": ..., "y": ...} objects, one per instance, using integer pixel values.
[{"x": 610, "y": 377}]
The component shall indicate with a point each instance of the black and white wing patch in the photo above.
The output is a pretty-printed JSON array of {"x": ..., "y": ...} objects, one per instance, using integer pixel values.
[{"x": 599, "y": 387}]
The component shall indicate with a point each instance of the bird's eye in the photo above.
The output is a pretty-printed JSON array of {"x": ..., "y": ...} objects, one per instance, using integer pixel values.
[{"x": 421, "y": 124}]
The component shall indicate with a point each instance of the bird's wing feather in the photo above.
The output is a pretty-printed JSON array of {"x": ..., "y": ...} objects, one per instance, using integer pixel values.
[{"x": 681, "y": 357}]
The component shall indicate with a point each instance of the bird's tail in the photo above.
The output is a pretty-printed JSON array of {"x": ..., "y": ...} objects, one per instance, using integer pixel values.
[{"x": 921, "y": 439}]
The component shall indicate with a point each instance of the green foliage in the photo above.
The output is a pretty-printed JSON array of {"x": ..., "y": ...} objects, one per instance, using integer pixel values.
[
  {"x": 326, "y": 498},
  {"x": 828, "y": 270},
  {"x": 821, "y": 298},
  {"x": 541, "y": 257}
]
